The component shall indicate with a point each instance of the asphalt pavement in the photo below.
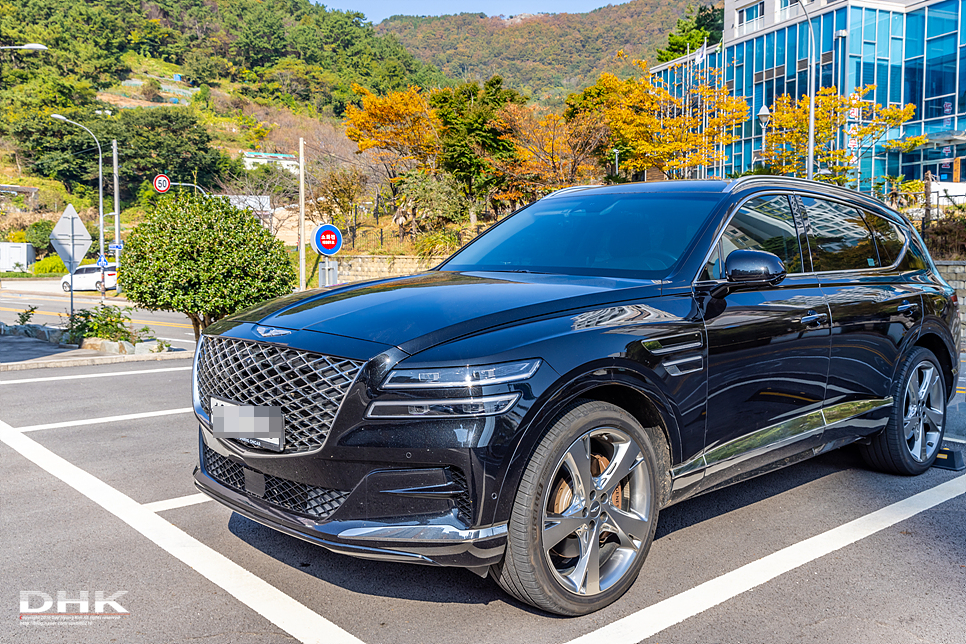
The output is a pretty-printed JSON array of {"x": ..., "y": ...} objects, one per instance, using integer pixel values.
[{"x": 98, "y": 498}]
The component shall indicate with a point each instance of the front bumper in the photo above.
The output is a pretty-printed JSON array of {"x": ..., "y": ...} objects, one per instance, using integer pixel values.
[{"x": 434, "y": 539}]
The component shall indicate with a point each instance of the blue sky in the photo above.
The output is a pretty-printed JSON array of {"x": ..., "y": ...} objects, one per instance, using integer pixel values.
[{"x": 378, "y": 10}]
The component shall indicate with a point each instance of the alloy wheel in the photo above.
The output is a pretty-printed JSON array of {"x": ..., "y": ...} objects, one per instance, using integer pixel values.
[
  {"x": 595, "y": 517},
  {"x": 923, "y": 411}
]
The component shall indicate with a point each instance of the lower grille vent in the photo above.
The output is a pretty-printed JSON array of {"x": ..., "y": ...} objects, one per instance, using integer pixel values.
[{"x": 315, "y": 502}]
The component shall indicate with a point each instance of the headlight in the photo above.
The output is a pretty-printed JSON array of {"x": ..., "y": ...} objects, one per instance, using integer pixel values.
[
  {"x": 474, "y": 376},
  {"x": 452, "y": 408}
]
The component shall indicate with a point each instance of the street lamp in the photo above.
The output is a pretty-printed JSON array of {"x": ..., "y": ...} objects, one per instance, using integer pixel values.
[
  {"x": 100, "y": 191},
  {"x": 28, "y": 47},
  {"x": 764, "y": 116},
  {"x": 617, "y": 168},
  {"x": 810, "y": 161}
]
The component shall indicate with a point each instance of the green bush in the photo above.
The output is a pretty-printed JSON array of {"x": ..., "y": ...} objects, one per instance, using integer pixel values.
[
  {"x": 53, "y": 265},
  {"x": 104, "y": 321},
  {"x": 49, "y": 264},
  {"x": 38, "y": 234}
]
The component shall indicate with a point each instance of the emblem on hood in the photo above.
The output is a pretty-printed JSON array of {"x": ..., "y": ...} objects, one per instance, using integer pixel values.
[{"x": 270, "y": 332}]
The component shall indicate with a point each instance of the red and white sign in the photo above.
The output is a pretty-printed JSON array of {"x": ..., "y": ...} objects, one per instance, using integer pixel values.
[
  {"x": 947, "y": 151},
  {"x": 162, "y": 183},
  {"x": 853, "y": 143},
  {"x": 948, "y": 122},
  {"x": 947, "y": 107},
  {"x": 855, "y": 113}
]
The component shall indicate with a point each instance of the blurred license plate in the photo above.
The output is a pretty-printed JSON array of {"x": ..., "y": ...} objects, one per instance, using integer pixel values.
[{"x": 262, "y": 427}]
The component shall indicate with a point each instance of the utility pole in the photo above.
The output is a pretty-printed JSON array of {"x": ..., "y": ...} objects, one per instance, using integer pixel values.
[
  {"x": 117, "y": 217},
  {"x": 301, "y": 214}
]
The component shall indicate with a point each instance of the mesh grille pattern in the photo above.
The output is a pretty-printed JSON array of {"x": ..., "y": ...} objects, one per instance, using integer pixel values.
[
  {"x": 309, "y": 387},
  {"x": 464, "y": 506},
  {"x": 316, "y": 502}
]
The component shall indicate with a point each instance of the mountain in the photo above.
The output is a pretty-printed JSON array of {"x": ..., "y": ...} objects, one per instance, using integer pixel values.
[{"x": 544, "y": 55}]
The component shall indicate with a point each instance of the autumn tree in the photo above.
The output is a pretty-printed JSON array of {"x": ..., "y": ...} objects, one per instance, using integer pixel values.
[
  {"x": 656, "y": 128},
  {"x": 786, "y": 150},
  {"x": 401, "y": 128},
  {"x": 549, "y": 151}
]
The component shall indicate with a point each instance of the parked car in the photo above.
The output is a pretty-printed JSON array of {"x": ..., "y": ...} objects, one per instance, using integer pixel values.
[
  {"x": 88, "y": 278},
  {"x": 527, "y": 408}
]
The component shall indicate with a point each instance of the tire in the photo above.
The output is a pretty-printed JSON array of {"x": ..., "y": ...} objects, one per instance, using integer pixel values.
[
  {"x": 97, "y": 286},
  {"x": 65, "y": 286},
  {"x": 553, "y": 567},
  {"x": 909, "y": 443}
]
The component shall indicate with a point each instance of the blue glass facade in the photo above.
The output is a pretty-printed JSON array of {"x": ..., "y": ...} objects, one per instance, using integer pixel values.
[{"x": 913, "y": 56}]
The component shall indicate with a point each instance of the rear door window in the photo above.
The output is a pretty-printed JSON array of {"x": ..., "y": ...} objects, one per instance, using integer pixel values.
[
  {"x": 889, "y": 240},
  {"x": 838, "y": 237}
]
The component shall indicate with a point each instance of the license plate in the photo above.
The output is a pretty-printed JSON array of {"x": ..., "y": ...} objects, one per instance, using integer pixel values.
[{"x": 262, "y": 427}]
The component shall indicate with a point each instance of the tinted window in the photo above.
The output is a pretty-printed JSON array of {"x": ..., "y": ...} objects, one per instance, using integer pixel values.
[
  {"x": 838, "y": 237},
  {"x": 765, "y": 223},
  {"x": 712, "y": 270},
  {"x": 612, "y": 234},
  {"x": 888, "y": 239}
]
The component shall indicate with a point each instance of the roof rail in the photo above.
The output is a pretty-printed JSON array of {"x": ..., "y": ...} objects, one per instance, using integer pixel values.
[
  {"x": 830, "y": 188},
  {"x": 569, "y": 189}
]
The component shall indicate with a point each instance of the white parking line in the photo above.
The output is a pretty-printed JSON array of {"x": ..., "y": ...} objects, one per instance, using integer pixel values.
[
  {"x": 191, "y": 342},
  {"x": 268, "y": 601},
  {"x": 180, "y": 502},
  {"x": 652, "y": 620},
  {"x": 93, "y": 375},
  {"x": 106, "y": 419}
]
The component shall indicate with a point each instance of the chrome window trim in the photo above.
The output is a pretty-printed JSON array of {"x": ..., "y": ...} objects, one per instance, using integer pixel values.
[{"x": 799, "y": 193}]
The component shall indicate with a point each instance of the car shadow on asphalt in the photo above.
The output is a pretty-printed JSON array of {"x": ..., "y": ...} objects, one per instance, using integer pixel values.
[
  {"x": 734, "y": 497},
  {"x": 452, "y": 585},
  {"x": 378, "y": 578}
]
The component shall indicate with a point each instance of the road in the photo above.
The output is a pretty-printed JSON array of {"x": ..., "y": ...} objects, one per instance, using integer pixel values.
[
  {"x": 53, "y": 309},
  {"x": 98, "y": 496}
]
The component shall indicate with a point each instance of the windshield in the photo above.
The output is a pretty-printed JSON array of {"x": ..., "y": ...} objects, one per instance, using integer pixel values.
[{"x": 641, "y": 235}]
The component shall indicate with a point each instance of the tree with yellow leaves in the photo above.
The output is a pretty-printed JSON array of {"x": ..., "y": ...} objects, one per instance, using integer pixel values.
[
  {"x": 786, "y": 143},
  {"x": 400, "y": 128},
  {"x": 653, "y": 127},
  {"x": 549, "y": 151}
]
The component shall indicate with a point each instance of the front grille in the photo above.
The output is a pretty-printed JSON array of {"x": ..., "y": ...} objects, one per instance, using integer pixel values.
[
  {"x": 464, "y": 506},
  {"x": 309, "y": 387},
  {"x": 316, "y": 502}
]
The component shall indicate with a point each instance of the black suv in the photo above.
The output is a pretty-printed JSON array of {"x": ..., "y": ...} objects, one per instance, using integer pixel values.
[{"x": 526, "y": 408}]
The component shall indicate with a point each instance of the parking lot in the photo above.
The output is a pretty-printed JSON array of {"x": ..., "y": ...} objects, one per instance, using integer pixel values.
[{"x": 98, "y": 497}]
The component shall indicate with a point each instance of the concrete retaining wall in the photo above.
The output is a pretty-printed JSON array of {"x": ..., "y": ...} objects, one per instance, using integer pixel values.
[
  {"x": 356, "y": 268},
  {"x": 955, "y": 273}
]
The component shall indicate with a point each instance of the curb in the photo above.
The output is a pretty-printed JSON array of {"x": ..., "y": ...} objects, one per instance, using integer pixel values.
[{"x": 86, "y": 362}]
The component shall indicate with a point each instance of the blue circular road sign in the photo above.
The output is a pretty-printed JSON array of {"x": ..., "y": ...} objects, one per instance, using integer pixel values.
[{"x": 327, "y": 239}]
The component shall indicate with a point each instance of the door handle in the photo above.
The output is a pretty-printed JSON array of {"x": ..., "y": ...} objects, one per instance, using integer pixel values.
[
  {"x": 907, "y": 307},
  {"x": 813, "y": 317}
]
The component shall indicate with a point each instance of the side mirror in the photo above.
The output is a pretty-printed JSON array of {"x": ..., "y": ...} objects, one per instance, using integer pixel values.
[{"x": 750, "y": 268}]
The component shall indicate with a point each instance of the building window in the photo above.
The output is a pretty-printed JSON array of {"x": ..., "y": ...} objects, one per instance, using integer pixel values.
[{"x": 750, "y": 18}]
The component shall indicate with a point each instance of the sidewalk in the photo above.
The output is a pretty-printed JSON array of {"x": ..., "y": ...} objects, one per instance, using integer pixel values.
[{"x": 19, "y": 352}]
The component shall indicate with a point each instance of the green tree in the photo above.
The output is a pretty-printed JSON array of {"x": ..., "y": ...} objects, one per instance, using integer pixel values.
[
  {"x": 205, "y": 258},
  {"x": 38, "y": 234},
  {"x": 711, "y": 19},
  {"x": 262, "y": 39},
  {"x": 687, "y": 36},
  {"x": 468, "y": 113}
]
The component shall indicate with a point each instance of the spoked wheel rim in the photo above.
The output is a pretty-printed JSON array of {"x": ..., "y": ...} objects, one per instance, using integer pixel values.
[
  {"x": 596, "y": 515},
  {"x": 923, "y": 413}
]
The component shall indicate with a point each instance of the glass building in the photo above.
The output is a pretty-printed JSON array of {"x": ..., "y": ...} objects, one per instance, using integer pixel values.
[{"x": 913, "y": 52}]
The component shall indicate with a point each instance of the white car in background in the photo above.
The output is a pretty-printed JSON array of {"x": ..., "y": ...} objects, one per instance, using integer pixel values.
[{"x": 88, "y": 278}]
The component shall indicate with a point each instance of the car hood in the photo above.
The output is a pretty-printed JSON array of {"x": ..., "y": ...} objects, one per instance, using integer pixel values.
[{"x": 416, "y": 312}]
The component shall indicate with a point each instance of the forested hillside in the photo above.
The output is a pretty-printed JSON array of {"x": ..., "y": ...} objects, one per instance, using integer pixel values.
[
  {"x": 273, "y": 47},
  {"x": 544, "y": 54}
]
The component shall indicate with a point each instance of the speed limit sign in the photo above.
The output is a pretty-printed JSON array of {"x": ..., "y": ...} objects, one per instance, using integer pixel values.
[{"x": 162, "y": 183}]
